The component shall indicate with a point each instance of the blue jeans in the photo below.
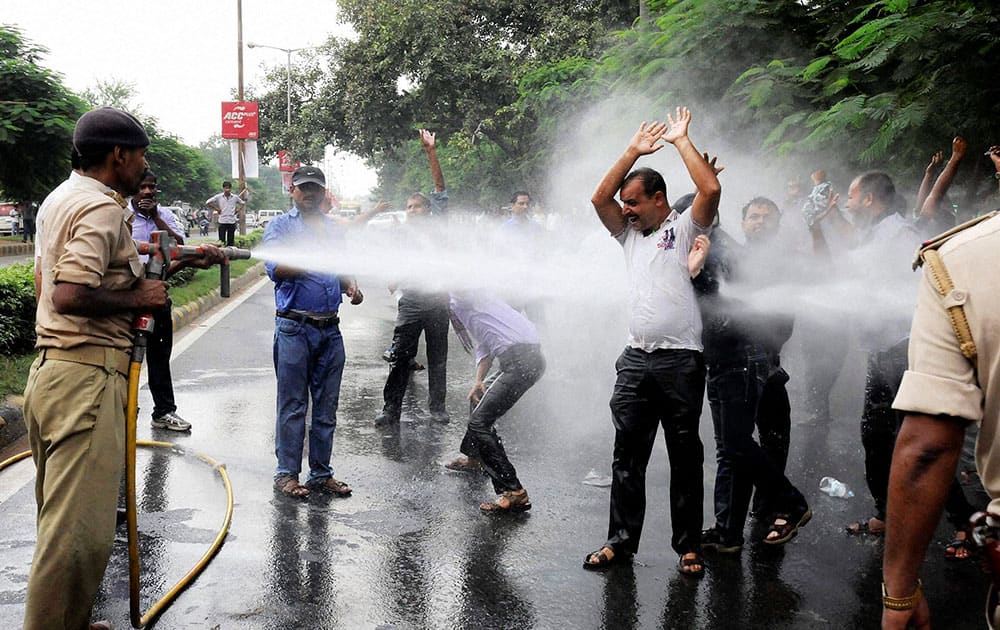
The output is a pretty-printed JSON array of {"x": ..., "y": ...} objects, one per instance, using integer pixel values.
[{"x": 307, "y": 361}]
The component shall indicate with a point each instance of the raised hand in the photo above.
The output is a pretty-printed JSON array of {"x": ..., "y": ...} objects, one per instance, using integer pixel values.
[
  {"x": 678, "y": 125},
  {"x": 935, "y": 161},
  {"x": 646, "y": 139},
  {"x": 711, "y": 162},
  {"x": 698, "y": 254},
  {"x": 994, "y": 154},
  {"x": 958, "y": 148},
  {"x": 427, "y": 139}
]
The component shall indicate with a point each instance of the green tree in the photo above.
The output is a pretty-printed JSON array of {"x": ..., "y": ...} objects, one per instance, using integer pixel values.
[
  {"x": 183, "y": 173},
  {"x": 895, "y": 81},
  {"x": 37, "y": 115},
  {"x": 453, "y": 66}
]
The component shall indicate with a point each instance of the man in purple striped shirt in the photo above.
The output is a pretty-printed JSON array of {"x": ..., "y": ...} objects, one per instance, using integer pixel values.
[
  {"x": 147, "y": 218},
  {"x": 501, "y": 333}
]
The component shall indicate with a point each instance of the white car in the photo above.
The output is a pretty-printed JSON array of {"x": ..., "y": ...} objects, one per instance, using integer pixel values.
[
  {"x": 387, "y": 220},
  {"x": 263, "y": 216},
  {"x": 7, "y": 222}
]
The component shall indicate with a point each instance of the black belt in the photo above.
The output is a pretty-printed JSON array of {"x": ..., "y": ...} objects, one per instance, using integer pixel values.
[{"x": 324, "y": 322}]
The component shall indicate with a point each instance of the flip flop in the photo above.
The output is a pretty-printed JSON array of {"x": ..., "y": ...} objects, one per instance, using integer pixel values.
[
  {"x": 604, "y": 561},
  {"x": 684, "y": 564},
  {"x": 862, "y": 528},
  {"x": 787, "y": 530}
]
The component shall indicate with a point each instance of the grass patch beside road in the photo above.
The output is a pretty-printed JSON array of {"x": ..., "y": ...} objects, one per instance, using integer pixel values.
[
  {"x": 14, "y": 369},
  {"x": 14, "y": 374},
  {"x": 205, "y": 281}
]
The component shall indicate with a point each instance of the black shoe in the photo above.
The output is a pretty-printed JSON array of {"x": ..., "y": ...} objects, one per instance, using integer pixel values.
[
  {"x": 714, "y": 540},
  {"x": 386, "y": 417},
  {"x": 440, "y": 416}
]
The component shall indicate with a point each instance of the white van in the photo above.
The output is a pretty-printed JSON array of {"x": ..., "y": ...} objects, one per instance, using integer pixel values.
[{"x": 263, "y": 216}]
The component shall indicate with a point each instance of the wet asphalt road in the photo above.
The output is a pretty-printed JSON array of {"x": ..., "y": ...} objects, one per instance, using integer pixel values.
[{"x": 410, "y": 549}]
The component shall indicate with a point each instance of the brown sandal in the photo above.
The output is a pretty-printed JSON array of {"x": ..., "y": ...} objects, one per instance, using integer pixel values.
[
  {"x": 508, "y": 502},
  {"x": 290, "y": 487},
  {"x": 329, "y": 485}
]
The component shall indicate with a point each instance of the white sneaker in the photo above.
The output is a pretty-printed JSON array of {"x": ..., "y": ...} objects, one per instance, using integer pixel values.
[{"x": 171, "y": 422}]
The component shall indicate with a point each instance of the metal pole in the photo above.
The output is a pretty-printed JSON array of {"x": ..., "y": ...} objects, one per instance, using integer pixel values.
[
  {"x": 288, "y": 69},
  {"x": 239, "y": 62}
]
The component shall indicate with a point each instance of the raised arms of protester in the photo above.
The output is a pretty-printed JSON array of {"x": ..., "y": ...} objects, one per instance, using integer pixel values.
[
  {"x": 428, "y": 139},
  {"x": 703, "y": 174},
  {"x": 930, "y": 208},
  {"x": 645, "y": 141}
]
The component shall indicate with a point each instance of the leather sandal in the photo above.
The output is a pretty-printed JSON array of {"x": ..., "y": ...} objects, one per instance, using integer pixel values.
[
  {"x": 508, "y": 502},
  {"x": 290, "y": 487},
  {"x": 605, "y": 558},
  {"x": 329, "y": 485}
]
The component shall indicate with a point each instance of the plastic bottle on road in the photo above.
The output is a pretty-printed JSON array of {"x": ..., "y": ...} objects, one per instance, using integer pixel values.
[{"x": 835, "y": 488}]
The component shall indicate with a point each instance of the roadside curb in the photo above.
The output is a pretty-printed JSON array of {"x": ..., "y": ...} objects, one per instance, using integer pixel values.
[
  {"x": 12, "y": 417},
  {"x": 186, "y": 314},
  {"x": 17, "y": 249}
]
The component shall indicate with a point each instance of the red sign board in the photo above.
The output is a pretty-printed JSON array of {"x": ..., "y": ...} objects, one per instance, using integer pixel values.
[
  {"x": 285, "y": 163},
  {"x": 240, "y": 120}
]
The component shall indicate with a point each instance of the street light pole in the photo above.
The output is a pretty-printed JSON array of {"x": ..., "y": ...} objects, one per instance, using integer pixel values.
[
  {"x": 239, "y": 61},
  {"x": 288, "y": 74}
]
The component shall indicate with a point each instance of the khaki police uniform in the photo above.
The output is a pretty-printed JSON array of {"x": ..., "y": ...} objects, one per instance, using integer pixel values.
[
  {"x": 75, "y": 405},
  {"x": 941, "y": 379}
]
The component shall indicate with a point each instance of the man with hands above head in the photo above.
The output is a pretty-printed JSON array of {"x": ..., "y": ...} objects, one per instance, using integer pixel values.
[{"x": 661, "y": 373}]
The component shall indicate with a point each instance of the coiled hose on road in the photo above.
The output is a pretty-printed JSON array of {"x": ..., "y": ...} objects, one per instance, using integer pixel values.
[{"x": 139, "y": 619}]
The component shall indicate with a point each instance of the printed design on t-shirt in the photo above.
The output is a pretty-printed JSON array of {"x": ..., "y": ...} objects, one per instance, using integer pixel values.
[{"x": 669, "y": 240}]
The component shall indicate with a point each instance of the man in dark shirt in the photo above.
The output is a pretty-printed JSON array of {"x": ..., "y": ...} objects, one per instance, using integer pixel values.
[{"x": 746, "y": 386}]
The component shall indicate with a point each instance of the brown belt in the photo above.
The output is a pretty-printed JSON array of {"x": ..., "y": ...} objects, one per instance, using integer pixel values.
[{"x": 97, "y": 356}]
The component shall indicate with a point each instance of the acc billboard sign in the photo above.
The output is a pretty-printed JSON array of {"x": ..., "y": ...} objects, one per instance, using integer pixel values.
[{"x": 240, "y": 120}]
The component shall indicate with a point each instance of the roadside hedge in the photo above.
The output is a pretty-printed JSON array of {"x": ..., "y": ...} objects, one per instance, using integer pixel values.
[
  {"x": 17, "y": 309},
  {"x": 17, "y": 299}
]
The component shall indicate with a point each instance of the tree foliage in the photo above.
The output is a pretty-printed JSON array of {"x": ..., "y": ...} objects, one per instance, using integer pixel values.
[
  {"x": 860, "y": 83},
  {"x": 183, "y": 173},
  {"x": 453, "y": 66},
  {"x": 37, "y": 114}
]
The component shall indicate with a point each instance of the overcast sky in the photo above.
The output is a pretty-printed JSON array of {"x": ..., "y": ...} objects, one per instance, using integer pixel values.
[{"x": 180, "y": 54}]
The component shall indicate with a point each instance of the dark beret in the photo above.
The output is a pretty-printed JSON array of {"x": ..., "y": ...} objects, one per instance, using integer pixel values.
[{"x": 108, "y": 127}]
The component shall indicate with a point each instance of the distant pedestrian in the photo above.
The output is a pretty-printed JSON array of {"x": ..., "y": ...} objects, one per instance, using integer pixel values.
[{"x": 229, "y": 207}]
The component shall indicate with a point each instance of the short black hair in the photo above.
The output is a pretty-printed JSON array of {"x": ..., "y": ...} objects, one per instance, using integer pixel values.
[
  {"x": 520, "y": 193},
  {"x": 879, "y": 185},
  {"x": 227, "y": 184},
  {"x": 148, "y": 174},
  {"x": 652, "y": 181},
  {"x": 761, "y": 201},
  {"x": 74, "y": 158},
  {"x": 95, "y": 155}
]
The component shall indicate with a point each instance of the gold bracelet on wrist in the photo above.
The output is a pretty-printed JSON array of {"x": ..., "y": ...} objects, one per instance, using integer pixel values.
[{"x": 902, "y": 603}]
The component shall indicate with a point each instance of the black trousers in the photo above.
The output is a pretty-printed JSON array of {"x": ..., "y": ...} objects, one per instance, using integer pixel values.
[
  {"x": 418, "y": 312},
  {"x": 736, "y": 398},
  {"x": 879, "y": 427},
  {"x": 158, "y": 349},
  {"x": 227, "y": 233},
  {"x": 660, "y": 388},
  {"x": 520, "y": 367}
]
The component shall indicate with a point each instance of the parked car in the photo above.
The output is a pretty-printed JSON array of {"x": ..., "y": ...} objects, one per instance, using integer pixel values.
[
  {"x": 8, "y": 224},
  {"x": 263, "y": 216},
  {"x": 387, "y": 220},
  {"x": 180, "y": 218}
]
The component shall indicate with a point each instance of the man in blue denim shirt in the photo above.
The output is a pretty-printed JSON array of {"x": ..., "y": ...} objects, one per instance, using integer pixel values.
[{"x": 308, "y": 348}]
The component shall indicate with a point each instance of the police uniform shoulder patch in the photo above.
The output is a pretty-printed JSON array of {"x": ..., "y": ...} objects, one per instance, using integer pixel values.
[
  {"x": 953, "y": 299},
  {"x": 117, "y": 197}
]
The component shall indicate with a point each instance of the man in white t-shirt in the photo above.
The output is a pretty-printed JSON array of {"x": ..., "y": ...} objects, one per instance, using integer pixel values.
[
  {"x": 661, "y": 373},
  {"x": 228, "y": 206}
]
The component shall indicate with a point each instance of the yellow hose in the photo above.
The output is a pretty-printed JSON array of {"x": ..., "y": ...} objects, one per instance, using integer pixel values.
[{"x": 141, "y": 620}]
